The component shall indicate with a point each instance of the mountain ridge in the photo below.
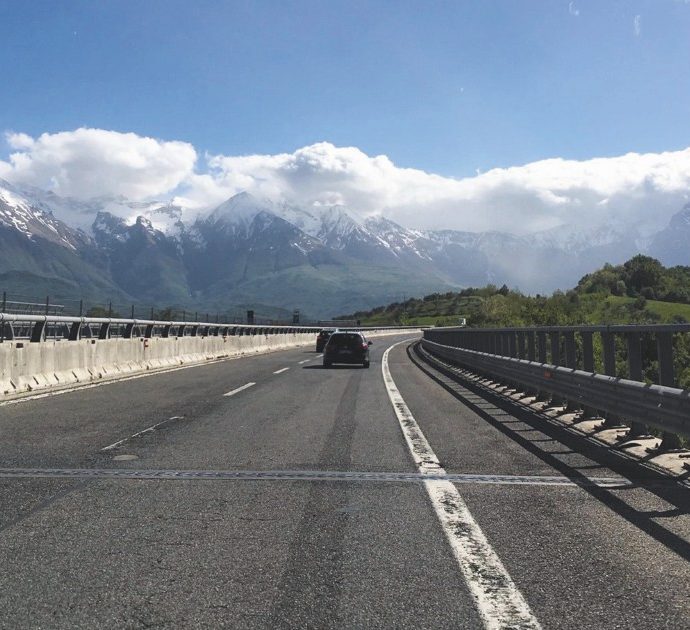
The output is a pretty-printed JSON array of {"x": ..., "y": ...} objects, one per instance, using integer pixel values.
[{"x": 322, "y": 259}]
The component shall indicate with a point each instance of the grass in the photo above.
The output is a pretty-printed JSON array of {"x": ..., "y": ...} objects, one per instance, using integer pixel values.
[
  {"x": 595, "y": 309},
  {"x": 665, "y": 310}
]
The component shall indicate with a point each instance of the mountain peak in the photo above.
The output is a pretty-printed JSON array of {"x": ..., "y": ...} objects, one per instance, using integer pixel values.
[{"x": 240, "y": 208}]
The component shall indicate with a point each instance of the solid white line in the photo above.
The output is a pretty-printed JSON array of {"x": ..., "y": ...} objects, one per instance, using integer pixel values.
[
  {"x": 139, "y": 433},
  {"x": 281, "y": 371},
  {"x": 499, "y": 602},
  {"x": 239, "y": 389}
]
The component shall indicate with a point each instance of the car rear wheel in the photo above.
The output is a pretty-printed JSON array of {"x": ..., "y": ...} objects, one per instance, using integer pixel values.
[
  {"x": 327, "y": 364},
  {"x": 366, "y": 364}
]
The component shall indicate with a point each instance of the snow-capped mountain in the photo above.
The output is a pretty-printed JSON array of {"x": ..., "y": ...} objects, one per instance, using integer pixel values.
[
  {"x": 322, "y": 259},
  {"x": 18, "y": 213}
]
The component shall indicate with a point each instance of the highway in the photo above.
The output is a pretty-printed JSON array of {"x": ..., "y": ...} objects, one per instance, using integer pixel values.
[{"x": 268, "y": 492}]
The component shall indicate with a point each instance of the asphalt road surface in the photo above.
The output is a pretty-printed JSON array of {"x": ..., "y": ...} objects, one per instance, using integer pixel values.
[{"x": 243, "y": 494}]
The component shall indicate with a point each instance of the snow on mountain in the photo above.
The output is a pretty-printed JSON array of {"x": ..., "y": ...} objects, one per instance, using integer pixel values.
[
  {"x": 152, "y": 244},
  {"x": 165, "y": 216},
  {"x": 18, "y": 212},
  {"x": 397, "y": 238},
  {"x": 238, "y": 211}
]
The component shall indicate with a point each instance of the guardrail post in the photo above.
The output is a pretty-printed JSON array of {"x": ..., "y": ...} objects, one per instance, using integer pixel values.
[
  {"x": 75, "y": 331},
  {"x": 521, "y": 345},
  {"x": 634, "y": 342},
  {"x": 6, "y": 331},
  {"x": 587, "y": 351},
  {"x": 104, "y": 332},
  {"x": 542, "y": 396},
  {"x": 498, "y": 343},
  {"x": 664, "y": 346},
  {"x": 129, "y": 331},
  {"x": 570, "y": 350},
  {"x": 541, "y": 347},
  {"x": 570, "y": 363},
  {"x": 491, "y": 342},
  {"x": 555, "y": 339},
  {"x": 512, "y": 346},
  {"x": 555, "y": 348},
  {"x": 148, "y": 331},
  {"x": 166, "y": 331},
  {"x": 608, "y": 342},
  {"x": 38, "y": 332},
  {"x": 588, "y": 366},
  {"x": 530, "y": 346}
]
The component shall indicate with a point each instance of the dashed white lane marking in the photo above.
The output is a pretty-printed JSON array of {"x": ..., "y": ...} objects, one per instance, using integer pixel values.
[
  {"x": 499, "y": 602},
  {"x": 239, "y": 389},
  {"x": 303, "y": 362},
  {"x": 281, "y": 370},
  {"x": 110, "y": 447}
]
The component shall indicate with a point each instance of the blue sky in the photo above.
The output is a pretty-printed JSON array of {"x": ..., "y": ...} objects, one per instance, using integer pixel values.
[
  {"x": 518, "y": 115},
  {"x": 448, "y": 87}
]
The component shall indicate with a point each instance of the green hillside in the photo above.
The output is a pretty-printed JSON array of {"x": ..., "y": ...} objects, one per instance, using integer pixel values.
[{"x": 639, "y": 291}]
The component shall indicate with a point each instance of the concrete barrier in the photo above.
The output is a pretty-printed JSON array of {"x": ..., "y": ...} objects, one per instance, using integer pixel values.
[{"x": 27, "y": 368}]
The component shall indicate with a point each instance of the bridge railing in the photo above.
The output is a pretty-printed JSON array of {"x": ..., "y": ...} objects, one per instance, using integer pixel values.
[
  {"x": 626, "y": 374},
  {"x": 38, "y": 328}
]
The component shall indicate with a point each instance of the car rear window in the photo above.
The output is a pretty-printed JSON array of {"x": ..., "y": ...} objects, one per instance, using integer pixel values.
[{"x": 346, "y": 340}]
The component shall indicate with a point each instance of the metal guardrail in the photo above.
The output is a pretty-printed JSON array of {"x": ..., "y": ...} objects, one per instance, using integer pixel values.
[
  {"x": 38, "y": 328},
  {"x": 560, "y": 361}
]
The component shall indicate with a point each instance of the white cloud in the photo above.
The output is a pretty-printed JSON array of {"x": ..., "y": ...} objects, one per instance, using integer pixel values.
[
  {"x": 94, "y": 162},
  {"x": 637, "y": 25},
  {"x": 638, "y": 188},
  {"x": 572, "y": 9}
]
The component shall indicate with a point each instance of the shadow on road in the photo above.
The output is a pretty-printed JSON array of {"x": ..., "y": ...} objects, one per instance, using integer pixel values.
[{"x": 653, "y": 482}]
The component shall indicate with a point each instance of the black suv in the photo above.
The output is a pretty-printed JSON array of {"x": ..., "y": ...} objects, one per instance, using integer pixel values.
[{"x": 346, "y": 347}]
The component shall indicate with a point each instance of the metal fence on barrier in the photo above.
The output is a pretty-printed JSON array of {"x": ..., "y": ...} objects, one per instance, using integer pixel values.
[
  {"x": 33, "y": 304},
  {"x": 627, "y": 373},
  {"x": 38, "y": 328}
]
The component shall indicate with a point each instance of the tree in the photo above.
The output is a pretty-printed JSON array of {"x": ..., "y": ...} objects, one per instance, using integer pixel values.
[{"x": 643, "y": 271}]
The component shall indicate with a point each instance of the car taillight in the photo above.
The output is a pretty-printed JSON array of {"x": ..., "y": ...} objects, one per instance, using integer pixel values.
[{"x": 365, "y": 346}]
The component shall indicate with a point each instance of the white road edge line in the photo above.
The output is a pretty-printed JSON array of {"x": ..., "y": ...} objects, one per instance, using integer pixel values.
[
  {"x": 281, "y": 370},
  {"x": 498, "y": 600},
  {"x": 239, "y": 389},
  {"x": 110, "y": 447}
]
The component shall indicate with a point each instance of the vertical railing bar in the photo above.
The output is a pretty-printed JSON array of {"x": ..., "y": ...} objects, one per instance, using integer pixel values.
[{"x": 664, "y": 345}]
